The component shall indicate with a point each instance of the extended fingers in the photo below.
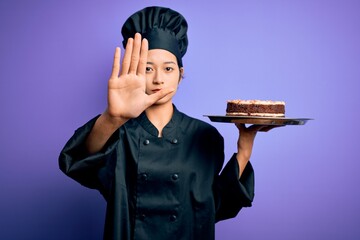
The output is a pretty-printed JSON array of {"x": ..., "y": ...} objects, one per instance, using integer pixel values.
[
  {"x": 153, "y": 98},
  {"x": 143, "y": 57},
  {"x": 116, "y": 64},
  {"x": 263, "y": 128},
  {"x": 135, "y": 55},
  {"x": 254, "y": 128},
  {"x": 268, "y": 128},
  {"x": 127, "y": 56}
]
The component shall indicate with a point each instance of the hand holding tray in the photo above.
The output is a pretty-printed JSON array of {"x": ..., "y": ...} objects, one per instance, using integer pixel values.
[{"x": 258, "y": 120}]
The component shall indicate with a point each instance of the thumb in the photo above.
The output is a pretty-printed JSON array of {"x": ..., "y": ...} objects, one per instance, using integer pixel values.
[
  {"x": 153, "y": 98},
  {"x": 256, "y": 127}
]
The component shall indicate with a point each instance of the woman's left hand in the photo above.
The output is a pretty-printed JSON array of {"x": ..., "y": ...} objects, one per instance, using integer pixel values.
[{"x": 246, "y": 141}]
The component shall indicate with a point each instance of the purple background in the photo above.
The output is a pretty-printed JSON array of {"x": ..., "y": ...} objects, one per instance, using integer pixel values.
[{"x": 55, "y": 59}]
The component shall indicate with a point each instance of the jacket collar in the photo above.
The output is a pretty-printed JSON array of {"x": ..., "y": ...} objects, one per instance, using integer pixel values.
[{"x": 170, "y": 128}]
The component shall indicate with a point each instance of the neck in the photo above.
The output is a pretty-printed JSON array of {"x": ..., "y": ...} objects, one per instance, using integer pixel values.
[{"x": 160, "y": 115}]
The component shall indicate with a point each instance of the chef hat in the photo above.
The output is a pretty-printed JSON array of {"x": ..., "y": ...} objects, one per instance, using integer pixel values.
[{"x": 164, "y": 28}]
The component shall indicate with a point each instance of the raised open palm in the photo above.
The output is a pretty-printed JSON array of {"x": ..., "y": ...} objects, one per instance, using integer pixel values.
[{"x": 127, "y": 97}]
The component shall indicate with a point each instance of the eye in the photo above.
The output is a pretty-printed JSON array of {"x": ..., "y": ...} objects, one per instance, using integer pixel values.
[
  {"x": 148, "y": 69},
  {"x": 169, "y": 69}
]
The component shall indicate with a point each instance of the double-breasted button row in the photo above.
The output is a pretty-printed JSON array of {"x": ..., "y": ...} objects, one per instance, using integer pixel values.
[
  {"x": 147, "y": 141},
  {"x": 144, "y": 176},
  {"x": 172, "y": 217}
]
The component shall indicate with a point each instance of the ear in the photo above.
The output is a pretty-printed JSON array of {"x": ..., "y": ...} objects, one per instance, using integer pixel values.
[{"x": 181, "y": 74}]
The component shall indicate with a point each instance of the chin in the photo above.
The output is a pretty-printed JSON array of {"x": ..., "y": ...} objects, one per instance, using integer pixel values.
[
  {"x": 164, "y": 101},
  {"x": 161, "y": 102}
]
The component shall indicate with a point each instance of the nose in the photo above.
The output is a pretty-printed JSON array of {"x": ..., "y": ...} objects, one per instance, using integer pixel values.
[{"x": 158, "y": 78}]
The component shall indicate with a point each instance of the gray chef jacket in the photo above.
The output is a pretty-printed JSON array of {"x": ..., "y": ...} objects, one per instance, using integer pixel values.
[{"x": 161, "y": 188}]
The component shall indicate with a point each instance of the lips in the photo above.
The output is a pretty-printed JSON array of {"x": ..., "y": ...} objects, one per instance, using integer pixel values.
[{"x": 156, "y": 90}]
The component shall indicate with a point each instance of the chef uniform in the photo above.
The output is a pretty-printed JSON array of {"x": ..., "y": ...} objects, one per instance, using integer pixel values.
[{"x": 168, "y": 187}]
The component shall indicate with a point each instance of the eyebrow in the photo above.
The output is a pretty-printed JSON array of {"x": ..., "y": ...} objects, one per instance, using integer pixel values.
[{"x": 167, "y": 62}]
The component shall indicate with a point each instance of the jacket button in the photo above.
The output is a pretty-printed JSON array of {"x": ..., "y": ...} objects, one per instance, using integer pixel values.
[
  {"x": 175, "y": 176},
  {"x": 146, "y": 142},
  {"x": 173, "y": 218},
  {"x": 174, "y": 141},
  {"x": 143, "y": 177}
]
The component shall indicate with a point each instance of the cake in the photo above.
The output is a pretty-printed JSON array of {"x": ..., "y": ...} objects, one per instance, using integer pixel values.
[{"x": 259, "y": 108}]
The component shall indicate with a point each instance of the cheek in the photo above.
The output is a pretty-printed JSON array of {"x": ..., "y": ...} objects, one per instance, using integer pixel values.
[
  {"x": 175, "y": 84},
  {"x": 175, "y": 81},
  {"x": 147, "y": 87},
  {"x": 148, "y": 81}
]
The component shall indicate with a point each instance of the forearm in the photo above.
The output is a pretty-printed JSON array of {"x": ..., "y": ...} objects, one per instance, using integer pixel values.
[
  {"x": 245, "y": 144},
  {"x": 243, "y": 158},
  {"x": 103, "y": 128}
]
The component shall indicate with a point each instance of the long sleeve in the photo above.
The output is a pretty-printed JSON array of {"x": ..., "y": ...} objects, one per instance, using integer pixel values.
[
  {"x": 89, "y": 170},
  {"x": 231, "y": 193}
]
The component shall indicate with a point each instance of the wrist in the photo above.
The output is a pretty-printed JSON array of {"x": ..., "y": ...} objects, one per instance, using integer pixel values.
[
  {"x": 111, "y": 121},
  {"x": 242, "y": 156},
  {"x": 242, "y": 159}
]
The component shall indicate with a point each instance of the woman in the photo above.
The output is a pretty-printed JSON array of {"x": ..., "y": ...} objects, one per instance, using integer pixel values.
[{"x": 157, "y": 168}]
